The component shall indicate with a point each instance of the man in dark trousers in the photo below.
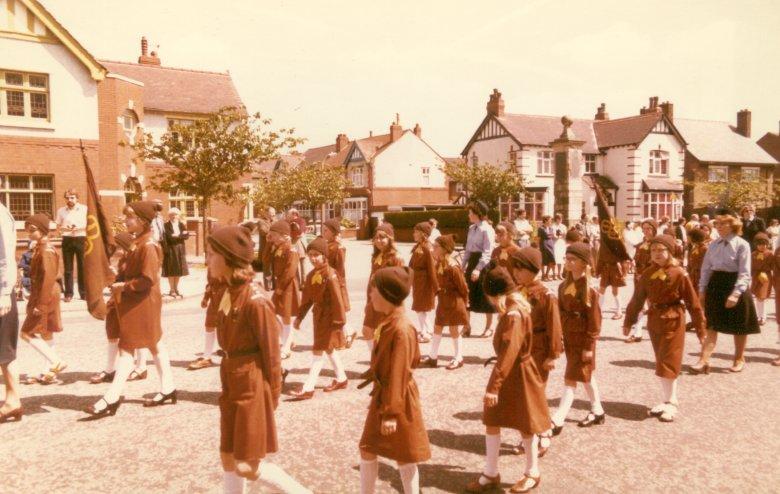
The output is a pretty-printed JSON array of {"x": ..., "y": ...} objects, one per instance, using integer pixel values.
[
  {"x": 751, "y": 224},
  {"x": 72, "y": 226}
]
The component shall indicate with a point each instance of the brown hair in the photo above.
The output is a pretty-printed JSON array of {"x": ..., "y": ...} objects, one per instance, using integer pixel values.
[
  {"x": 70, "y": 192},
  {"x": 734, "y": 222},
  {"x": 240, "y": 274},
  {"x": 390, "y": 245}
]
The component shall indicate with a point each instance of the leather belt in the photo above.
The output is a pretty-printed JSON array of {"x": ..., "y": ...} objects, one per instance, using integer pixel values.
[
  {"x": 573, "y": 313},
  {"x": 666, "y": 306},
  {"x": 242, "y": 353},
  {"x": 539, "y": 330}
]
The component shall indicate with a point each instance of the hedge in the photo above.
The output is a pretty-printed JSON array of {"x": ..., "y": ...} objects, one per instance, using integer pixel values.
[{"x": 447, "y": 218}]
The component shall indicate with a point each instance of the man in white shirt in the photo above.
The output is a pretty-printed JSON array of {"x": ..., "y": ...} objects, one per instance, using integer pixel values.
[
  {"x": 72, "y": 226},
  {"x": 9, "y": 319},
  {"x": 158, "y": 223}
]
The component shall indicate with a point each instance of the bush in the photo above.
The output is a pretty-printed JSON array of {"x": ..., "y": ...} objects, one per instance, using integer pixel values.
[
  {"x": 447, "y": 218},
  {"x": 347, "y": 223}
]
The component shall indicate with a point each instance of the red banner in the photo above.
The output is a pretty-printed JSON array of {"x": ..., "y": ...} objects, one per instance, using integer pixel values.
[{"x": 608, "y": 227}]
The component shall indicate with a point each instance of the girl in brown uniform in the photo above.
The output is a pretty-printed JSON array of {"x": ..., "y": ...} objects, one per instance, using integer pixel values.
[
  {"x": 285, "y": 272},
  {"x": 451, "y": 309},
  {"x": 514, "y": 397},
  {"x": 43, "y": 307},
  {"x": 424, "y": 281},
  {"x": 611, "y": 274},
  {"x": 581, "y": 323},
  {"x": 385, "y": 255},
  {"x": 210, "y": 301},
  {"x": 505, "y": 244},
  {"x": 124, "y": 243},
  {"x": 394, "y": 425},
  {"x": 337, "y": 259},
  {"x": 323, "y": 291},
  {"x": 761, "y": 267},
  {"x": 139, "y": 307},
  {"x": 699, "y": 244},
  {"x": 641, "y": 262},
  {"x": 669, "y": 292}
]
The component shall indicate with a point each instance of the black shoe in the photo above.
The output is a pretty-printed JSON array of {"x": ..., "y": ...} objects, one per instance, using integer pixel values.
[
  {"x": 592, "y": 419},
  {"x": 109, "y": 410},
  {"x": 285, "y": 373},
  {"x": 160, "y": 399},
  {"x": 556, "y": 429},
  {"x": 427, "y": 361}
]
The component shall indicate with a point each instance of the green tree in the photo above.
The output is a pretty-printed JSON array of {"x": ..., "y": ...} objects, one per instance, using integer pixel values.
[
  {"x": 486, "y": 182},
  {"x": 732, "y": 194},
  {"x": 207, "y": 157}
]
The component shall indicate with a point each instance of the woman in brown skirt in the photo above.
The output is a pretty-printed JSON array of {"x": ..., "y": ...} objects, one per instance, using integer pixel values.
[
  {"x": 323, "y": 291},
  {"x": 337, "y": 259},
  {"x": 285, "y": 273},
  {"x": 385, "y": 255},
  {"x": 581, "y": 323},
  {"x": 761, "y": 266},
  {"x": 43, "y": 307},
  {"x": 424, "y": 281},
  {"x": 394, "y": 427},
  {"x": 669, "y": 292},
  {"x": 210, "y": 301},
  {"x": 451, "y": 310},
  {"x": 514, "y": 397},
  {"x": 139, "y": 307}
]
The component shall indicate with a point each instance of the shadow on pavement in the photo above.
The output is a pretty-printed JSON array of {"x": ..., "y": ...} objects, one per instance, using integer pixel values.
[
  {"x": 641, "y": 364},
  {"x": 470, "y": 443}
]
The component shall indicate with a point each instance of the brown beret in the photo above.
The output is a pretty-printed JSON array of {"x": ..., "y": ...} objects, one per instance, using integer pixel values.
[
  {"x": 447, "y": 242},
  {"x": 235, "y": 244},
  {"x": 573, "y": 236},
  {"x": 652, "y": 223},
  {"x": 424, "y": 227},
  {"x": 394, "y": 283},
  {"x": 581, "y": 251},
  {"x": 40, "y": 221},
  {"x": 320, "y": 245},
  {"x": 527, "y": 258},
  {"x": 497, "y": 280},
  {"x": 282, "y": 227},
  {"x": 697, "y": 235},
  {"x": 146, "y": 210},
  {"x": 387, "y": 229},
  {"x": 333, "y": 225},
  {"x": 509, "y": 227},
  {"x": 665, "y": 240},
  {"x": 124, "y": 240},
  {"x": 761, "y": 238}
]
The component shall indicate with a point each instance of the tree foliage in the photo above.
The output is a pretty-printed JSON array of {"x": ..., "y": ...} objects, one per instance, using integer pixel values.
[
  {"x": 731, "y": 194},
  {"x": 486, "y": 182}
]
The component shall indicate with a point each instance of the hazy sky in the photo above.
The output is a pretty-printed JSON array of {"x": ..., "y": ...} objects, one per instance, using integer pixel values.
[{"x": 327, "y": 67}]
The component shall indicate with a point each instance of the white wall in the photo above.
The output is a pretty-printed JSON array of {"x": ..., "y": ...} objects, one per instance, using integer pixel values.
[
  {"x": 155, "y": 124},
  {"x": 493, "y": 151},
  {"x": 73, "y": 101},
  {"x": 401, "y": 163}
]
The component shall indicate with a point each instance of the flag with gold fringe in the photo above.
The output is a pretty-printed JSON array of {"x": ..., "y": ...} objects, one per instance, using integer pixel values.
[{"x": 609, "y": 229}]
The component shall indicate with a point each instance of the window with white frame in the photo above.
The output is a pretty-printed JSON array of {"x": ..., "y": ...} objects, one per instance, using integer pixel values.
[
  {"x": 129, "y": 121},
  {"x": 751, "y": 174},
  {"x": 659, "y": 162},
  {"x": 660, "y": 204},
  {"x": 534, "y": 205},
  {"x": 718, "y": 174},
  {"x": 512, "y": 158},
  {"x": 426, "y": 176},
  {"x": 24, "y": 95},
  {"x": 508, "y": 208},
  {"x": 357, "y": 176},
  {"x": 25, "y": 195},
  {"x": 544, "y": 163},
  {"x": 354, "y": 208},
  {"x": 188, "y": 205},
  {"x": 590, "y": 163}
]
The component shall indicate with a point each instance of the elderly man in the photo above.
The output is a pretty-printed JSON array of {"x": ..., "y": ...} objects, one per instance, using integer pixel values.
[
  {"x": 9, "y": 319},
  {"x": 72, "y": 226},
  {"x": 751, "y": 224}
]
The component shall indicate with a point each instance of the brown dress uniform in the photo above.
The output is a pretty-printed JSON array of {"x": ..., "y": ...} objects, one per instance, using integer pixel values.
[
  {"x": 395, "y": 394},
  {"x": 666, "y": 289},
  {"x": 112, "y": 316},
  {"x": 139, "y": 305},
  {"x": 776, "y": 280},
  {"x": 371, "y": 319},
  {"x": 323, "y": 291},
  {"x": 44, "y": 294},
  {"x": 286, "y": 265},
  {"x": 581, "y": 326},
  {"x": 503, "y": 256},
  {"x": 522, "y": 403},
  {"x": 761, "y": 267},
  {"x": 610, "y": 270},
  {"x": 251, "y": 374},
  {"x": 546, "y": 319},
  {"x": 453, "y": 295},
  {"x": 213, "y": 294},
  {"x": 337, "y": 259},
  {"x": 424, "y": 281},
  {"x": 695, "y": 260}
]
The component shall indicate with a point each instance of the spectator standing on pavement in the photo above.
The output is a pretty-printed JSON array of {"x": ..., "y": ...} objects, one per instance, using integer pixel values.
[
  {"x": 559, "y": 249},
  {"x": 9, "y": 318},
  {"x": 476, "y": 256},
  {"x": 158, "y": 224},
  {"x": 762, "y": 265},
  {"x": 524, "y": 228},
  {"x": 435, "y": 233},
  {"x": 751, "y": 224},
  {"x": 174, "y": 251},
  {"x": 546, "y": 236},
  {"x": 72, "y": 227},
  {"x": 773, "y": 230}
]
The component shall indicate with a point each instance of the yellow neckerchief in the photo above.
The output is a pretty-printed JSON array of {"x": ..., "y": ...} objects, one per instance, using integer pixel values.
[
  {"x": 316, "y": 279},
  {"x": 440, "y": 270},
  {"x": 419, "y": 249},
  {"x": 759, "y": 256},
  {"x": 571, "y": 289},
  {"x": 504, "y": 254},
  {"x": 660, "y": 274},
  {"x": 225, "y": 305},
  {"x": 278, "y": 252},
  {"x": 378, "y": 259},
  {"x": 645, "y": 245},
  {"x": 695, "y": 250},
  {"x": 524, "y": 292}
]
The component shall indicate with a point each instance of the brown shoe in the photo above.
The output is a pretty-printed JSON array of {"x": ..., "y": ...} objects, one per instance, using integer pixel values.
[
  {"x": 526, "y": 484},
  {"x": 200, "y": 363},
  {"x": 302, "y": 395},
  {"x": 492, "y": 483},
  {"x": 335, "y": 386},
  {"x": 427, "y": 361}
]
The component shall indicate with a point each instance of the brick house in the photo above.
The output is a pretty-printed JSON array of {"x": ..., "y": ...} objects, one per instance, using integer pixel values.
[{"x": 770, "y": 142}]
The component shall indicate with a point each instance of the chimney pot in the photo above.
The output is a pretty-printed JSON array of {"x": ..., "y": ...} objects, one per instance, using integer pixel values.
[
  {"x": 144, "y": 45},
  {"x": 495, "y": 105},
  {"x": 743, "y": 122},
  {"x": 668, "y": 109},
  {"x": 417, "y": 130},
  {"x": 147, "y": 58},
  {"x": 395, "y": 129},
  {"x": 341, "y": 142},
  {"x": 601, "y": 112}
]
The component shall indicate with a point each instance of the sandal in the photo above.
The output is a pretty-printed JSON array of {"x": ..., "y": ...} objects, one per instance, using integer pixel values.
[
  {"x": 592, "y": 419},
  {"x": 51, "y": 376},
  {"x": 487, "y": 333},
  {"x": 102, "y": 377},
  {"x": 33, "y": 379},
  {"x": 201, "y": 363}
]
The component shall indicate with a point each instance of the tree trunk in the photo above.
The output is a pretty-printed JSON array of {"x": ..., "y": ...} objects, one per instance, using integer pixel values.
[{"x": 205, "y": 213}]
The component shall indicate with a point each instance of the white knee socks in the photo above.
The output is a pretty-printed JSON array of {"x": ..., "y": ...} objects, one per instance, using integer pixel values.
[
  {"x": 669, "y": 387},
  {"x": 280, "y": 481},
  {"x": 760, "y": 310},
  {"x": 369, "y": 471},
  {"x": 338, "y": 367},
  {"x": 435, "y": 342},
  {"x": 124, "y": 366},
  {"x": 492, "y": 445},
  {"x": 232, "y": 483},
  {"x": 618, "y": 307},
  {"x": 141, "y": 356},
  {"x": 370, "y": 345},
  {"x": 317, "y": 362},
  {"x": 593, "y": 394},
  {"x": 410, "y": 478},
  {"x": 531, "y": 445},
  {"x": 208, "y": 343},
  {"x": 457, "y": 344},
  {"x": 565, "y": 405},
  {"x": 163, "y": 364},
  {"x": 46, "y": 350},
  {"x": 112, "y": 352},
  {"x": 287, "y": 338},
  {"x": 636, "y": 330}
]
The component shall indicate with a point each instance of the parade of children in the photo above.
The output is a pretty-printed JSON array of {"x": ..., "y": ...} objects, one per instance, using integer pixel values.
[{"x": 496, "y": 416}]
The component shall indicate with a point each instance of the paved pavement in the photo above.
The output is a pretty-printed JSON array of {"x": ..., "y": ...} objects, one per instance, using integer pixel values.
[{"x": 725, "y": 438}]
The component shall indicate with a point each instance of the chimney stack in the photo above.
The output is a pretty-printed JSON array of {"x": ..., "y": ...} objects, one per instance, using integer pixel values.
[
  {"x": 652, "y": 108},
  {"x": 395, "y": 129},
  {"x": 601, "y": 112},
  {"x": 743, "y": 122},
  {"x": 668, "y": 109},
  {"x": 417, "y": 130},
  {"x": 146, "y": 58},
  {"x": 341, "y": 142},
  {"x": 495, "y": 105}
]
